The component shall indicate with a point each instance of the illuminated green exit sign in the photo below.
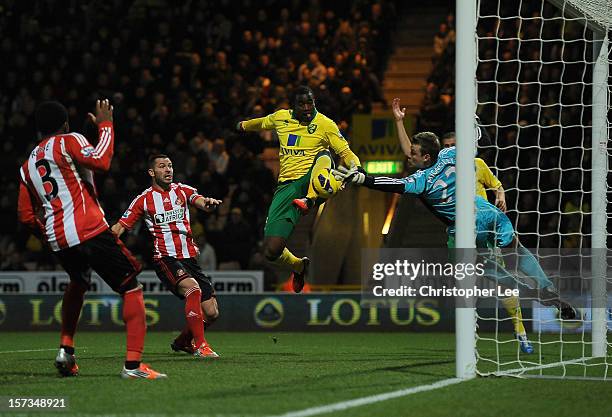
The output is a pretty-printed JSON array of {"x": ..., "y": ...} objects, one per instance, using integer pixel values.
[{"x": 383, "y": 167}]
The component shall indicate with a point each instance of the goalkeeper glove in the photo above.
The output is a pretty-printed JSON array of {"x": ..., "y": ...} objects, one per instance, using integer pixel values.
[{"x": 354, "y": 175}]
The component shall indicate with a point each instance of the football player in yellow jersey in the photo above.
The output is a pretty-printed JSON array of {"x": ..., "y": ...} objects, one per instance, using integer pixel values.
[
  {"x": 485, "y": 179},
  {"x": 306, "y": 137}
]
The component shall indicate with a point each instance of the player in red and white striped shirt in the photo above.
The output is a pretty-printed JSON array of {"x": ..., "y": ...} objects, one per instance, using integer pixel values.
[
  {"x": 57, "y": 198},
  {"x": 165, "y": 208}
]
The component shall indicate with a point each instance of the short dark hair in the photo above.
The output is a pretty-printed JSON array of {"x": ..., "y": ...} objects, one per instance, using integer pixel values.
[
  {"x": 447, "y": 135},
  {"x": 155, "y": 157},
  {"x": 430, "y": 144},
  {"x": 301, "y": 90},
  {"x": 49, "y": 117}
]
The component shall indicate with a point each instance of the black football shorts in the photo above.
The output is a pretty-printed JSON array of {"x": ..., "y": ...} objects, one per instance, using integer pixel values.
[
  {"x": 171, "y": 271},
  {"x": 105, "y": 254}
]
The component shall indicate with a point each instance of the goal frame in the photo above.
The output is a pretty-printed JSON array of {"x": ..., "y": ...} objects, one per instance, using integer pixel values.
[{"x": 465, "y": 105}]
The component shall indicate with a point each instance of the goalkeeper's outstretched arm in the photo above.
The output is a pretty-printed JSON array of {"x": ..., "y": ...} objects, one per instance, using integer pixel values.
[{"x": 413, "y": 184}]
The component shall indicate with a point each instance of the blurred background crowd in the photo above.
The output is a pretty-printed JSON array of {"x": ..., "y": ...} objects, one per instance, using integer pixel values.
[{"x": 180, "y": 77}]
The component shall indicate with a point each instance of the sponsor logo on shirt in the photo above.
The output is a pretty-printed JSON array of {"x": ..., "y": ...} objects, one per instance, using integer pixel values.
[
  {"x": 294, "y": 152},
  {"x": 170, "y": 216},
  {"x": 293, "y": 140}
]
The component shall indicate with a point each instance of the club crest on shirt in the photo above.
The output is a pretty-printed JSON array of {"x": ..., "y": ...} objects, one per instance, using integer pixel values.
[
  {"x": 312, "y": 128},
  {"x": 87, "y": 151},
  {"x": 179, "y": 201},
  {"x": 170, "y": 216}
]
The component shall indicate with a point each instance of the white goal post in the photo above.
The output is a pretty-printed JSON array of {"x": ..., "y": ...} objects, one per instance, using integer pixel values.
[{"x": 560, "y": 49}]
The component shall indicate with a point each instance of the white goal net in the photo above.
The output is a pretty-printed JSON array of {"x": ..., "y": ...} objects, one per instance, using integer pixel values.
[{"x": 543, "y": 95}]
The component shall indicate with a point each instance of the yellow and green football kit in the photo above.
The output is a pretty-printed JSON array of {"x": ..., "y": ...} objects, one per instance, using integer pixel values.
[{"x": 304, "y": 154}]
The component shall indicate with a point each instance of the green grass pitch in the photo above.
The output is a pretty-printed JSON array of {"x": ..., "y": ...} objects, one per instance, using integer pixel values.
[{"x": 257, "y": 376}]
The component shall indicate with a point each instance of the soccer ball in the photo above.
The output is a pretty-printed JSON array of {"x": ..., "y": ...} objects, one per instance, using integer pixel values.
[{"x": 325, "y": 184}]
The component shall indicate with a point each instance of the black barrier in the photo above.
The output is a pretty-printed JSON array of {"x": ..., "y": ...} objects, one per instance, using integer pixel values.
[{"x": 274, "y": 312}]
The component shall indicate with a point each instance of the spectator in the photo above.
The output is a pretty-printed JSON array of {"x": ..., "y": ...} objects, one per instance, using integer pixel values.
[
  {"x": 237, "y": 239},
  {"x": 208, "y": 256}
]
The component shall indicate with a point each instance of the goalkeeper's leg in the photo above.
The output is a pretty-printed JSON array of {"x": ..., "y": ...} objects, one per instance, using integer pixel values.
[
  {"x": 513, "y": 307},
  {"x": 490, "y": 218},
  {"x": 522, "y": 260},
  {"x": 498, "y": 273},
  {"x": 321, "y": 184}
]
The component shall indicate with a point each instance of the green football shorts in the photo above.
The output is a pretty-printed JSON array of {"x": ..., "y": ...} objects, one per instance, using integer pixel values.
[{"x": 282, "y": 214}]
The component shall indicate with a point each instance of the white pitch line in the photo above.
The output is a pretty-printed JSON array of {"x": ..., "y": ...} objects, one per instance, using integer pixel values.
[
  {"x": 32, "y": 350},
  {"x": 343, "y": 405}
]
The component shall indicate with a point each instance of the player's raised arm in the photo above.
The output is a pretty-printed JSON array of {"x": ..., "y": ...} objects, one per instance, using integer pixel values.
[
  {"x": 79, "y": 148},
  {"x": 257, "y": 124},
  {"x": 206, "y": 203},
  {"x": 198, "y": 200},
  {"x": 398, "y": 115}
]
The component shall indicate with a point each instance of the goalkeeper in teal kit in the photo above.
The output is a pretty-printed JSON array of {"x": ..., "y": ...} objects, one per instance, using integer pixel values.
[{"x": 434, "y": 184}]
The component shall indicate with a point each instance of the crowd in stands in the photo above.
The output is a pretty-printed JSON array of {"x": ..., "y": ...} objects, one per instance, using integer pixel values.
[
  {"x": 180, "y": 75},
  {"x": 533, "y": 109}
]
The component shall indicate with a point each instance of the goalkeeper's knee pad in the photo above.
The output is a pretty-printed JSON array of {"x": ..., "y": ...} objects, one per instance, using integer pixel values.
[{"x": 324, "y": 183}]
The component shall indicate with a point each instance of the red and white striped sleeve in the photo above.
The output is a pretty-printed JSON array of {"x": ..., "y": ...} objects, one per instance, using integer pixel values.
[
  {"x": 98, "y": 158},
  {"x": 191, "y": 193},
  {"x": 134, "y": 212},
  {"x": 27, "y": 206}
]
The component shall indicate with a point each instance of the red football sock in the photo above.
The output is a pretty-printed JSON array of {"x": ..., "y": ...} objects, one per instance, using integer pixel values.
[
  {"x": 71, "y": 310},
  {"x": 193, "y": 314},
  {"x": 135, "y": 323}
]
